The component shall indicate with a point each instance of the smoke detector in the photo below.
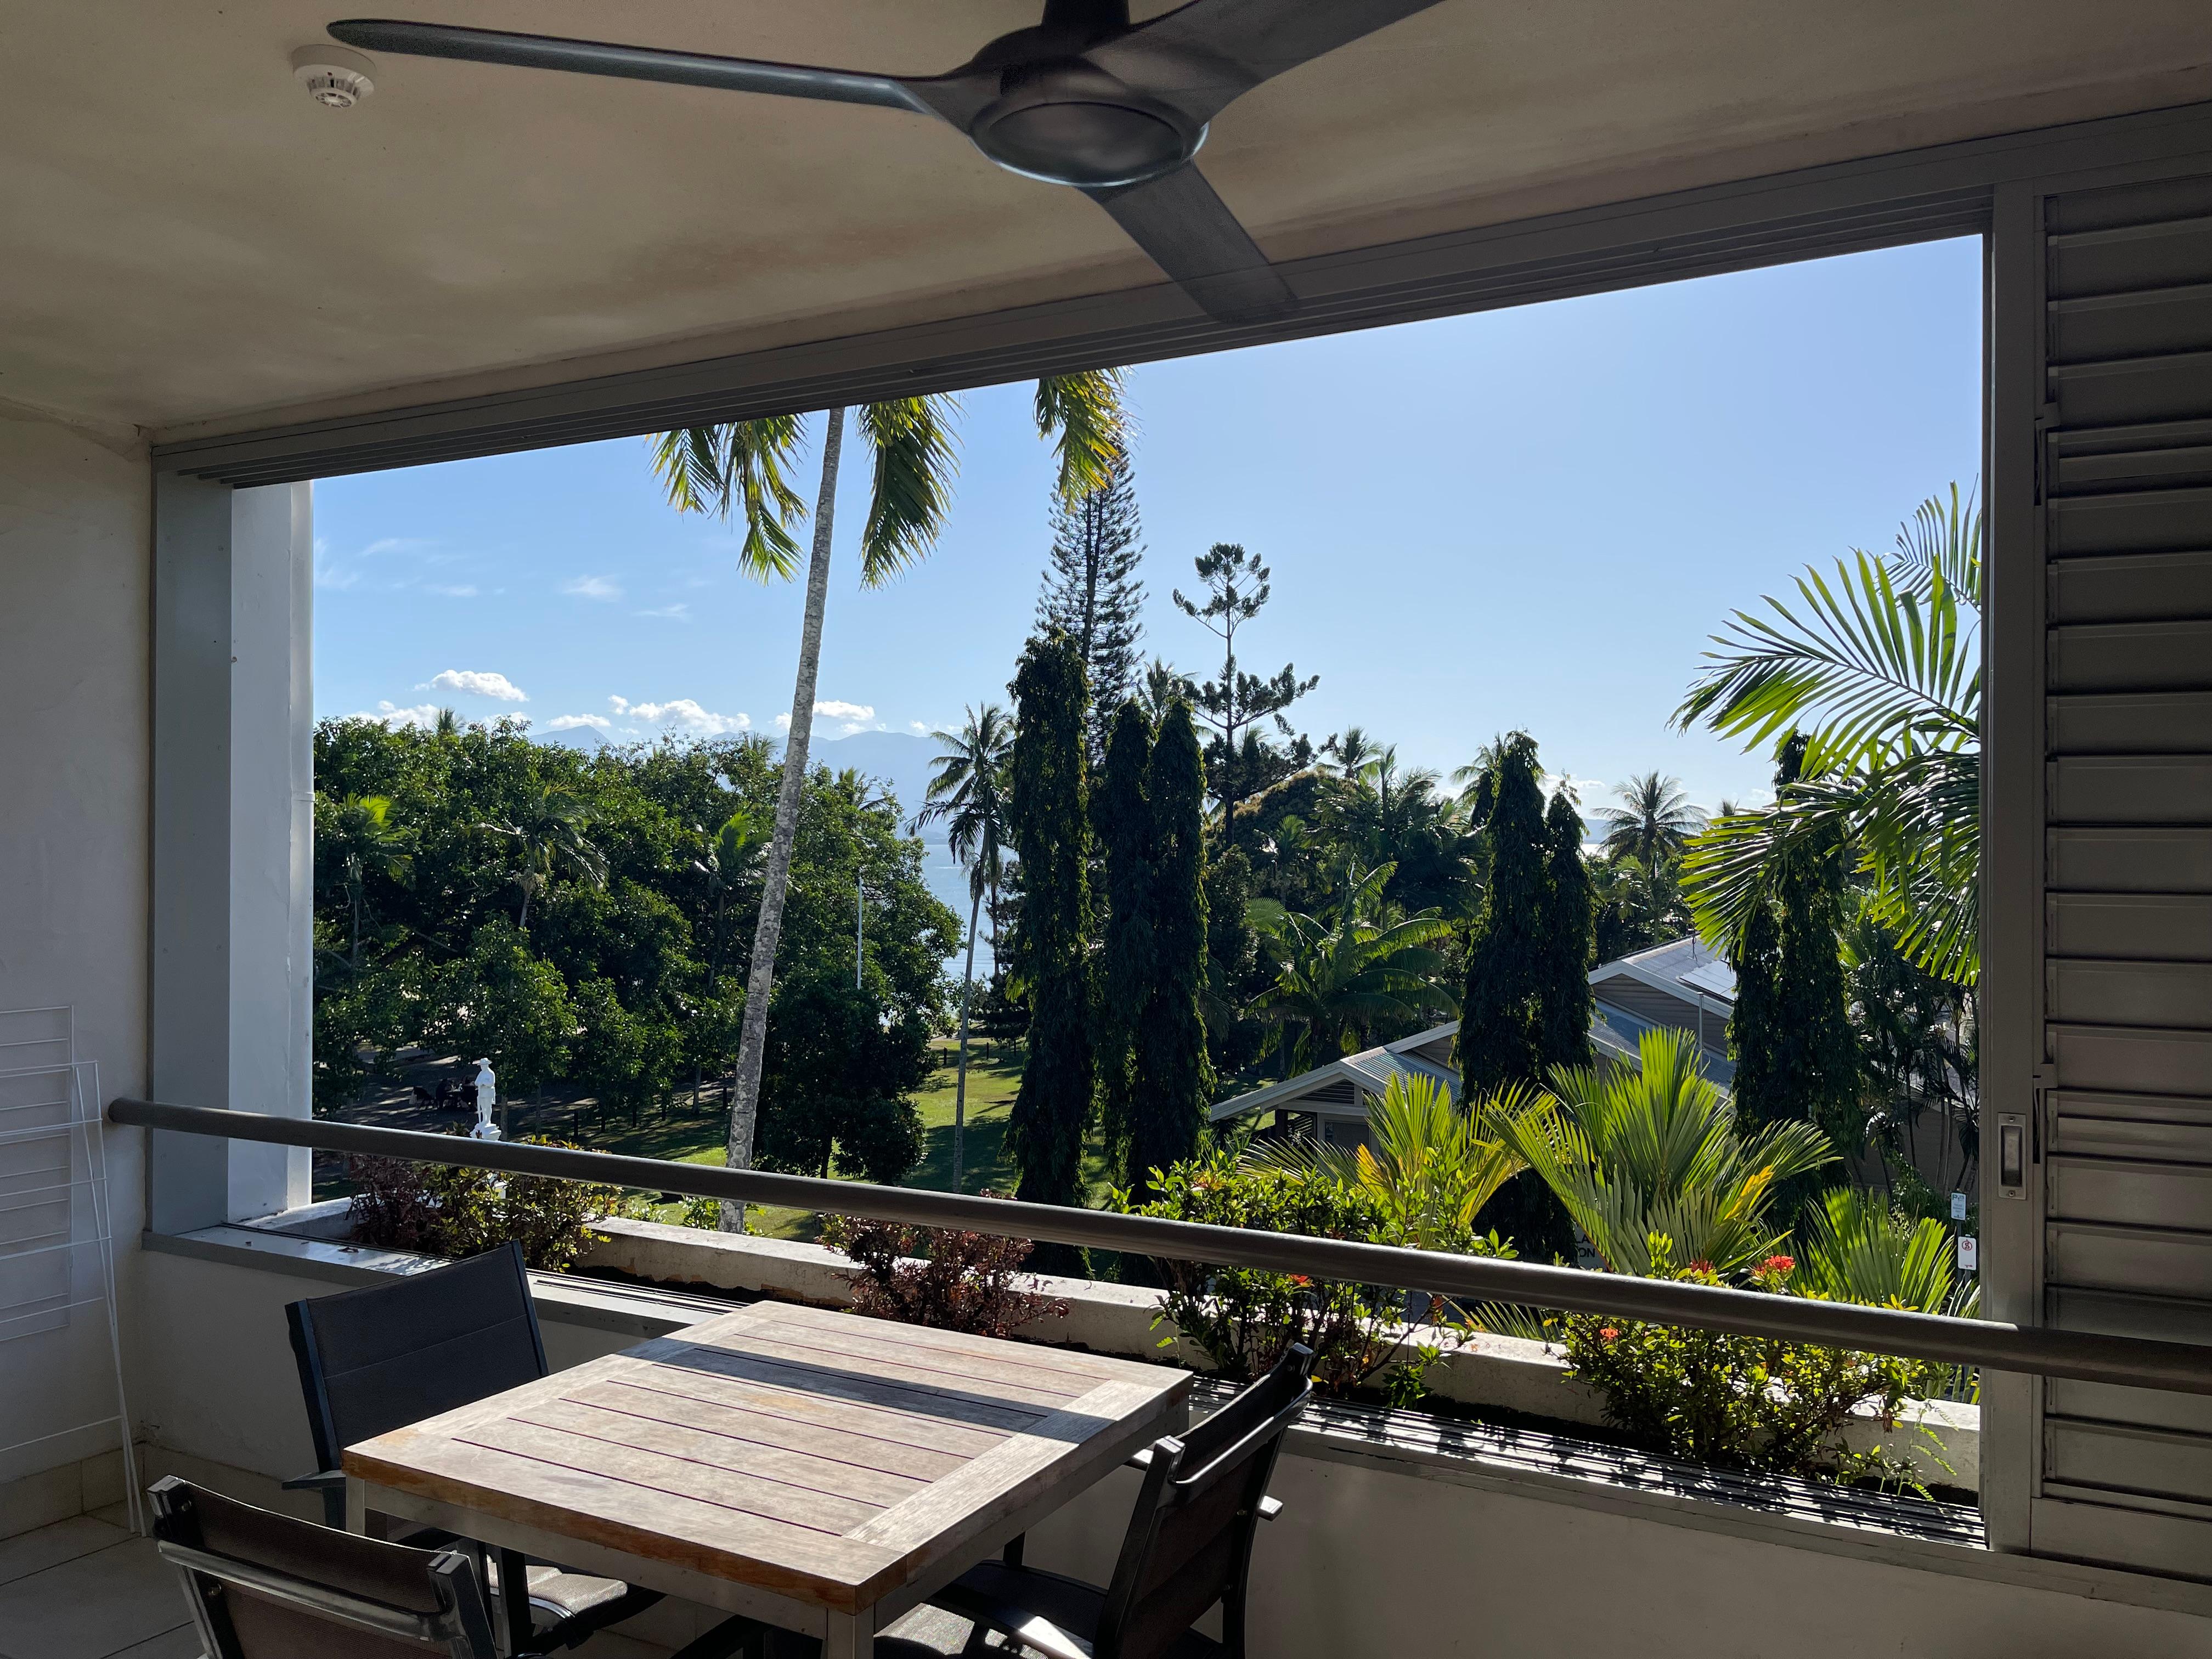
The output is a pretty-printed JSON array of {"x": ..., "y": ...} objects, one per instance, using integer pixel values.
[{"x": 334, "y": 78}]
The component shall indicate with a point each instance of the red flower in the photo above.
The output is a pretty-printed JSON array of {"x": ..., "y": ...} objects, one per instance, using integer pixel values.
[
  {"x": 1300, "y": 1280},
  {"x": 1778, "y": 1264},
  {"x": 1701, "y": 1267},
  {"x": 1606, "y": 1332}
]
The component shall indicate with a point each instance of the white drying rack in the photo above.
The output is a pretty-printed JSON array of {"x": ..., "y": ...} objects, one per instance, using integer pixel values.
[{"x": 58, "y": 1249}]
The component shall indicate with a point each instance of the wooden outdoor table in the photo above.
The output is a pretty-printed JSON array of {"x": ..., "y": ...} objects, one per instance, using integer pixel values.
[{"x": 814, "y": 1470}]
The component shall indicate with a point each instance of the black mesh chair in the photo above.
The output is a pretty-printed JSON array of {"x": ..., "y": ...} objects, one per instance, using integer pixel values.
[
  {"x": 376, "y": 1359},
  {"x": 1189, "y": 1544},
  {"x": 265, "y": 1586}
]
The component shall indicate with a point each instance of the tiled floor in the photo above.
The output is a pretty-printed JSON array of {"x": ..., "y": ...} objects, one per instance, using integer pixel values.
[{"x": 88, "y": 1590}]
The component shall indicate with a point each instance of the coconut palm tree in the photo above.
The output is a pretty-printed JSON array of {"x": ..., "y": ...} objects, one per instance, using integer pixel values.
[
  {"x": 1654, "y": 821},
  {"x": 1879, "y": 665},
  {"x": 549, "y": 831},
  {"x": 968, "y": 792},
  {"x": 1341, "y": 974},
  {"x": 742, "y": 465},
  {"x": 1647, "y": 1161}
]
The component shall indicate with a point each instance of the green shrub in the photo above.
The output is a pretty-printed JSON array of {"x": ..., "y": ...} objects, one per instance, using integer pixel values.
[
  {"x": 945, "y": 1277},
  {"x": 1243, "y": 1319},
  {"x": 1746, "y": 1402},
  {"x": 440, "y": 1210}
]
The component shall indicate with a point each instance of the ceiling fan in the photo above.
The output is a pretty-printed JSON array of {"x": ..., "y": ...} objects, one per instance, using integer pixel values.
[{"x": 1085, "y": 98}]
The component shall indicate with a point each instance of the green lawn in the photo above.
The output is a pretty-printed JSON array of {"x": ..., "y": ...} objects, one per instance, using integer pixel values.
[{"x": 994, "y": 1072}]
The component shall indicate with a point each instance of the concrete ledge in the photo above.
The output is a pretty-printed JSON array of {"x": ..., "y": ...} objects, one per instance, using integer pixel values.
[{"x": 1500, "y": 1372}]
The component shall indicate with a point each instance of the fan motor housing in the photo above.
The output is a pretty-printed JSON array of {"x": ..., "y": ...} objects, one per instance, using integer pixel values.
[{"x": 1071, "y": 123}]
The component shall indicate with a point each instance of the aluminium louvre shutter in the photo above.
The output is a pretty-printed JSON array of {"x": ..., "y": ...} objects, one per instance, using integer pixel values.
[{"x": 2115, "y": 1155}]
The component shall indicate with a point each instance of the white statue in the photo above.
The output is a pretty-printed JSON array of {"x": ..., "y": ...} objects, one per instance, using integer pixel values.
[{"x": 487, "y": 1087}]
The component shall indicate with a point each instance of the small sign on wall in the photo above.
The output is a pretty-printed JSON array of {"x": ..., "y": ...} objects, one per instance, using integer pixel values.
[
  {"x": 1969, "y": 1254},
  {"x": 1958, "y": 1207}
]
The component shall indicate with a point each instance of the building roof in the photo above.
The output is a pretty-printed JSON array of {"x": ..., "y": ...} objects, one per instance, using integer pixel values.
[
  {"x": 1339, "y": 1087},
  {"x": 1700, "y": 978},
  {"x": 1686, "y": 969}
]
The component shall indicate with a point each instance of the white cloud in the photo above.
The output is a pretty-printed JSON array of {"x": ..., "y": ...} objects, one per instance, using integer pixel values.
[
  {"x": 783, "y": 722},
  {"x": 570, "y": 722},
  {"x": 591, "y": 587},
  {"x": 392, "y": 544},
  {"x": 681, "y": 712},
  {"x": 477, "y": 682},
  {"x": 918, "y": 727},
  {"x": 1583, "y": 791},
  {"x": 845, "y": 711},
  {"x": 464, "y": 591},
  {"x": 424, "y": 715},
  {"x": 678, "y": 612}
]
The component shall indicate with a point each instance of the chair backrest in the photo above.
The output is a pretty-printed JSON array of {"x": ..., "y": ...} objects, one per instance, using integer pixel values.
[
  {"x": 265, "y": 1586},
  {"x": 376, "y": 1359},
  {"x": 1189, "y": 1543}
]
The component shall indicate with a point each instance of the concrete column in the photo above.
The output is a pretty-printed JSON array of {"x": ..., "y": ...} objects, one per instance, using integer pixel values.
[{"x": 233, "y": 789}]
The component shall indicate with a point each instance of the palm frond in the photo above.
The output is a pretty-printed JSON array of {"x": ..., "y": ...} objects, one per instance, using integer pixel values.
[
  {"x": 1087, "y": 416},
  {"x": 740, "y": 464},
  {"x": 1867, "y": 669},
  {"x": 917, "y": 459}
]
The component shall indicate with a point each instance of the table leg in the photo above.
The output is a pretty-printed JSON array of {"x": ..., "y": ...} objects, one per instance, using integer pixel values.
[
  {"x": 849, "y": 1635},
  {"x": 356, "y": 1505}
]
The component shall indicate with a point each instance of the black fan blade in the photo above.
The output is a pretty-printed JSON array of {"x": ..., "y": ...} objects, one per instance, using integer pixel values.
[
  {"x": 685, "y": 69},
  {"x": 1203, "y": 55},
  {"x": 1194, "y": 237}
]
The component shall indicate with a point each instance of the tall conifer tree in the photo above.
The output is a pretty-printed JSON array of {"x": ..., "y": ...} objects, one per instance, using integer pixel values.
[
  {"x": 1500, "y": 1033},
  {"x": 1124, "y": 823},
  {"x": 1796, "y": 1059},
  {"x": 1175, "y": 1076},
  {"x": 1092, "y": 594},
  {"x": 1570, "y": 917},
  {"x": 1050, "y": 819}
]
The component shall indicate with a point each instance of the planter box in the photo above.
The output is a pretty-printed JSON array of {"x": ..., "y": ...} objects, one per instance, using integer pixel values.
[{"x": 1499, "y": 1372}]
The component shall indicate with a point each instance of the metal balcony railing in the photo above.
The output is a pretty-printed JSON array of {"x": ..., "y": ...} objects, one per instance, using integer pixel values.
[{"x": 2131, "y": 1362}]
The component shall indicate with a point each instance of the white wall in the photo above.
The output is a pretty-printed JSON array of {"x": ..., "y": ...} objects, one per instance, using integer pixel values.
[{"x": 75, "y": 757}]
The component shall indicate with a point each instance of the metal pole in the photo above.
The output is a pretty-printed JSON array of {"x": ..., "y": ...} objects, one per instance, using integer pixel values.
[{"x": 2129, "y": 1361}]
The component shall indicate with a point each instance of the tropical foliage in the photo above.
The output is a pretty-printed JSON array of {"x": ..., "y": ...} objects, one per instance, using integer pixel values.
[
  {"x": 1357, "y": 965},
  {"x": 1878, "y": 665},
  {"x": 1651, "y": 1162}
]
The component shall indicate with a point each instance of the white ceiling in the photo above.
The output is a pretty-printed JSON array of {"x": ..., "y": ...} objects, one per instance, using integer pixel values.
[{"x": 185, "y": 239}]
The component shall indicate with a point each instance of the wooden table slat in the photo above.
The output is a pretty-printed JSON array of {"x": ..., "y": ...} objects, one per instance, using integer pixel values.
[
  {"x": 907, "y": 1395},
  {"x": 702, "y": 1445},
  {"x": 766, "y": 1428},
  {"x": 634, "y": 1466},
  {"x": 1084, "y": 1369},
  {"x": 925, "y": 1384}
]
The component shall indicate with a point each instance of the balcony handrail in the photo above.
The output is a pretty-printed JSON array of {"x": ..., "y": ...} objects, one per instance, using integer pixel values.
[{"x": 2127, "y": 1361}]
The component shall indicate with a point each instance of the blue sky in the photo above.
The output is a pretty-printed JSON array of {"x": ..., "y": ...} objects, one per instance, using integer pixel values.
[{"x": 1530, "y": 518}]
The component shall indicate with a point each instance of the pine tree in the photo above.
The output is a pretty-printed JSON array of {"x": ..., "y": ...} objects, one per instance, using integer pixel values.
[
  {"x": 1233, "y": 972},
  {"x": 1123, "y": 820},
  {"x": 1236, "y": 589},
  {"x": 1569, "y": 923},
  {"x": 1050, "y": 821},
  {"x": 1500, "y": 1033},
  {"x": 1176, "y": 1077},
  {"x": 1092, "y": 594}
]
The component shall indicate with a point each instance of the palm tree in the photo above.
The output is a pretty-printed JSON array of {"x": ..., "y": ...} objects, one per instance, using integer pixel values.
[
  {"x": 548, "y": 831},
  {"x": 1654, "y": 822},
  {"x": 726, "y": 861},
  {"x": 742, "y": 465},
  {"x": 1429, "y": 1165},
  {"x": 1363, "y": 964},
  {"x": 1881, "y": 666},
  {"x": 1649, "y": 1163},
  {"x": 969, "y": 793},
  {"x": 360, "y": 831}
]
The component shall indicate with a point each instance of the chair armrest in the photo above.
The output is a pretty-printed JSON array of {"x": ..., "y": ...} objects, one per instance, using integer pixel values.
[
  {"x": 1269, "y": 1507},
  {"x": 1032, "y": 1630},
  {"x": 322, "y": 1481}
]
